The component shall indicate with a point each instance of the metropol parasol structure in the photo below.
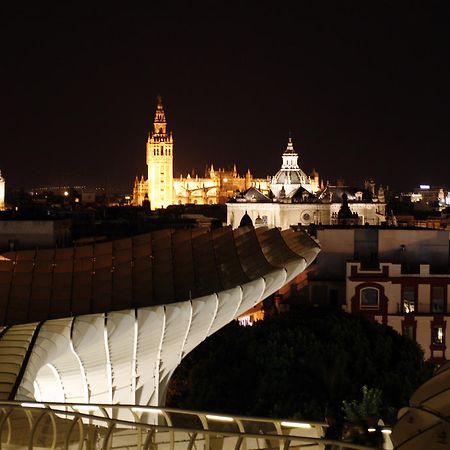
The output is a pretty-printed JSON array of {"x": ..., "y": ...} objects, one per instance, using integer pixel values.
[
  {"x": 93, "y": 332},
  {"x": 90, "y": 336}
]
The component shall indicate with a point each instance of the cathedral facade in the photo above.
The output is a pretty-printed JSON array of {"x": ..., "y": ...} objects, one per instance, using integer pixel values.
[{"x": 161, "y": 189}]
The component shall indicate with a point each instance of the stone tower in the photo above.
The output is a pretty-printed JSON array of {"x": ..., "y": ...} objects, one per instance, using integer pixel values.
[
  {"x": 160, "y": 161},
  {"x": 2, "y": 192}
]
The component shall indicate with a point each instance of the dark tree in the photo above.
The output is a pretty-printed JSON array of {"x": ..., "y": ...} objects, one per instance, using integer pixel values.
[{"x": 298, "y": 365}]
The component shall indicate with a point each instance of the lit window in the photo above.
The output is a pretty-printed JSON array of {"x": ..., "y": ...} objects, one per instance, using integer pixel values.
[
  {"x": 437, "y": 335},
  {"x": 409, "y": 299},
  {"x": 437, "y": 299},
  {"x": 369, "y": 297}
]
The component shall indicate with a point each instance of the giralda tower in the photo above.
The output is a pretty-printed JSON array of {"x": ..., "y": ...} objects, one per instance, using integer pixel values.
[{"x": 160, "y": 161}]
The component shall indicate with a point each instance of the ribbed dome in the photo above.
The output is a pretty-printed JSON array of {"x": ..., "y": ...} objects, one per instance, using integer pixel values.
[{"x": 290, "y": 176}]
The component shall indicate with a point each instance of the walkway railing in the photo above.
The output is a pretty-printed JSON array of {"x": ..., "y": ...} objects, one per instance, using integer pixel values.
[{"x": 106, "y": 427}]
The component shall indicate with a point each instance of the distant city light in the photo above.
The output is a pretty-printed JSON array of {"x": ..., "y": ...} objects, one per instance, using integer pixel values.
[
  {"x": 66, "y": 193},
  {"x": 424, "y": 186}
]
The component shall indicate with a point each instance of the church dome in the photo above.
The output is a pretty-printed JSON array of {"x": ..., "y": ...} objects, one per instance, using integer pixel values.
[
  {"x": 259, "y": 221},
  {"x": 290, "y": 176},
  {"x": 246, "y": 221}
]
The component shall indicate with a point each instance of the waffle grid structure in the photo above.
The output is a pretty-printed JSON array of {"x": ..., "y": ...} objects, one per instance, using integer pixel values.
[{"x": 109, "y": 323}]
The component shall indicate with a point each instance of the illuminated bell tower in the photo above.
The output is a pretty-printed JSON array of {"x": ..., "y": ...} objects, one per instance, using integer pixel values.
[
  {"x": 2, "y": 192},
  {"x": 160, "y": 161}
]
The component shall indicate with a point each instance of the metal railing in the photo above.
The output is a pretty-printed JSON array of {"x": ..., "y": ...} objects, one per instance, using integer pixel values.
[{"x": 109, "y": 427}]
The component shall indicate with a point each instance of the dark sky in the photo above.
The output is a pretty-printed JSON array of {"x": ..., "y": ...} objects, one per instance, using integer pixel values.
[{"x": 364, "y": 87}]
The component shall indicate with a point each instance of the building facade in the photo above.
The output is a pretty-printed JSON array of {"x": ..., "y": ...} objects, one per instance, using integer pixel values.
[
  {"x": 413, "y": 303},
  {"x": 296, "y": 198}
]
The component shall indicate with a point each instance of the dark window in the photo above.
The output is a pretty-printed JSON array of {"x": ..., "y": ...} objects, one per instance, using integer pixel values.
[
  {"x": 408, "y": 331},
  {"x": 437, "y": 299},
  {"x": 334, "y": 297},
  {"x": 369, "y": 297}
]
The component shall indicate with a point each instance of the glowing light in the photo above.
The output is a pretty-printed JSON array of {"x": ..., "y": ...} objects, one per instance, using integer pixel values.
[
  {"x": 296, "y": 425},
  {"x": 66, "y": 194},
  {"x": 87, "y": 408},
  {"x": 371, "y": 430},
  {"x": 219, "y": 418},
  {"x": 143, "y": 409},
  {"x": 32, "y": 405},
  {"x": 386, "y": 431},
  {"x": 225, "y": 180},
  {"x": 424, "y": 186}
]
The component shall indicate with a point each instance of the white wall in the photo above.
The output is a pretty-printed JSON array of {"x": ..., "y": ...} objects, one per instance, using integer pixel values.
[{"x": 426, "y": 246}]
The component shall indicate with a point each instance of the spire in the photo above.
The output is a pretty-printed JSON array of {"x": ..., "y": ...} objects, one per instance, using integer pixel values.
[
  {"x": 160, "y": 122},
  {"x": 290, "y": 146},
  {"x": 290, "y": 156}
]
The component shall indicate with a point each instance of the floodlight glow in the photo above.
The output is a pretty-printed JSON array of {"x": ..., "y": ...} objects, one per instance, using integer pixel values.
[
  {"x": 219, "y": 418},
  {"x": 143, "y": 409},
  {"x": 371, "y": 430},
  {"x": 296, "y": 424},
  {"x": 32, "y": 405},
  {"x": 424, "y": 186},
  {"x": 386, "y": 431}
]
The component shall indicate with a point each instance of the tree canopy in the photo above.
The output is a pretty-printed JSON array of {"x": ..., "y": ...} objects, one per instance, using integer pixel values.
[{"x": 297, "y": 365}]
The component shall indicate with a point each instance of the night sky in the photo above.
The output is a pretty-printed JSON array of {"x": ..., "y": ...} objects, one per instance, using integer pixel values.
[{"x": 363, "y": 86}]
